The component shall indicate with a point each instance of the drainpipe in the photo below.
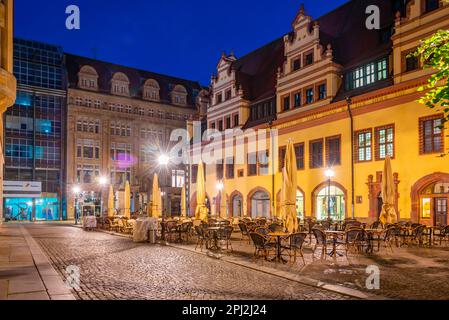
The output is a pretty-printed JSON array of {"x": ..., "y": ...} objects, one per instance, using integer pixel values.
[
  {"x": 273, "y": 196},
  {"x": 349, "y": 102}
]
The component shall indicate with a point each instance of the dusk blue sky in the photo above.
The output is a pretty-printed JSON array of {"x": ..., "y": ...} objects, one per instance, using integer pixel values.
[{"x": 176, "y": 37}]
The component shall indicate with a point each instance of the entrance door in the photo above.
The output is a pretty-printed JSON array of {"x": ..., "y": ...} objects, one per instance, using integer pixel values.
[{"x": 440, "y": 211}]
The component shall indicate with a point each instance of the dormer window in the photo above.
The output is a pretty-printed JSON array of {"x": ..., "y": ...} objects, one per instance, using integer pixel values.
[
  {"x": 228, "y": 94},
  {"x": 296, "y": 64},
  {"x": 308, "y": 59},
  {"x": 88, "y": 78},
  {"x": 179, "y": 95},
  {"x": 431, "y": 5},
  {"x": 218, "y": 98},
  {"x": 151, "y": 90},
  {"x": 120, "y": 84},
  {"x": 367, "y": 74}
]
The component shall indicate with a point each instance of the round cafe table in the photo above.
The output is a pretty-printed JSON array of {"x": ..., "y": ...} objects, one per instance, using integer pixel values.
[
  {"x": 278, "y": 236},
  {"x": 214, "y": 231},
  {"x": 335, "y": 235}
]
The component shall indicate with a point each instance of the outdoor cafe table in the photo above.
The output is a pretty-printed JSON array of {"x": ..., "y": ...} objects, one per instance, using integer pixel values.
[
  {"x": 371, "y": 234},
  {"x": 214, "y": 231},
  {"x": 278, "y": 236},
  {"x": 335, "y": 235}
]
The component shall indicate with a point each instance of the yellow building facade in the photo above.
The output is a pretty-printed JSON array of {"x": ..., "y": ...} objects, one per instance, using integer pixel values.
[
  {"x": 7, "y": 79},
  {"x": 343, "y": 111}
]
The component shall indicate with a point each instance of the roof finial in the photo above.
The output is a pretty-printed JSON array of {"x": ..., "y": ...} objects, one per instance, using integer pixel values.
[{"x": 301, "y": 8}]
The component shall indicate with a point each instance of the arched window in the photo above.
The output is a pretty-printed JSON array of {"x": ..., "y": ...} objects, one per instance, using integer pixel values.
[
  {"x": 330, "y": 201},
  {"x": 120, "y": 84},
  {"x": 151, "y": 90},
  {"x": 88, "y": 78},
  {"x": 179, "y": 95},
  {"x": 260, "y": 204},
  {"x": 237, "y": 205},
  {"x": 434, "y": 200}
]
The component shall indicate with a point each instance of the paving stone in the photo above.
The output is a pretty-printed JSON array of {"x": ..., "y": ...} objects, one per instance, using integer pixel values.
[{"x": 115, "y": 268}]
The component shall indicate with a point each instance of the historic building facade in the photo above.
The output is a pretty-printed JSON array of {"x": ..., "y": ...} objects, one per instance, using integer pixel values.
[
  {"x": 7, "y": 79},
  {"x": 34, "y": 134},
  {"x": 119, "y": 122},
  {"x": 347, "y": 97}
]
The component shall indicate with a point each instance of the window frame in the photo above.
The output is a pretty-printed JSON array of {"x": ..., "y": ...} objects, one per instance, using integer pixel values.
[
  {"x": 422, "y": 135},
  {"x": 311, "y": 155},
  {"x": 357, "y": 145},
  {"x": 328, "y": 150},
  {"x": 377, "y": 143}
]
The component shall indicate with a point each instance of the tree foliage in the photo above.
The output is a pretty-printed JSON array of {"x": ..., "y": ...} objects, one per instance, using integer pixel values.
[{"x": 434, "y": 54}]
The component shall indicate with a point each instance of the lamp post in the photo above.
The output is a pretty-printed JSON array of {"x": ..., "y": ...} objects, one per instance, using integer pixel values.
[
  {"x": 163, "y": 161},
  {"x": 329, "y": 173},
  {"x": 102, "y": 181},
  {"x": 220, "y": 187},
  {"x": 76, "y": 191}
]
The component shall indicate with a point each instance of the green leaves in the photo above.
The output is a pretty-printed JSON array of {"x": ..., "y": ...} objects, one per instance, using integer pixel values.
[{"x": 434, "y": 54}]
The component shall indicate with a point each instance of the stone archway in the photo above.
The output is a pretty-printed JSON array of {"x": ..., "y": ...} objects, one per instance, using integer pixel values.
[
  {"x": 250, "y": 196},
  {"x": 418, "y": 186},
  {"x": 320, "y": 187},
  {"x": 374, "y": 189},
  {"x": 278, "y": 201},
  {"x": 233, "y": 208}
]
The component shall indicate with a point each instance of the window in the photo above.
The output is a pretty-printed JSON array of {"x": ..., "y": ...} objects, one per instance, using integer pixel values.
[
  {"x": 263, "y": 161},
  {"x": 218, "y": 98},
  {"x": 384, "y": 142},
  {"x": 333, "y": 152},
  {"x": 88, "y": 149},
  {"x": 282, "y": 151},
  {"x": 363, "y": 143},
  {"x": 177, "y": 178},
  {"x": 322, "y": 91},
  {"x": 308, "y": 59},
  {"x": 431, "y": 5},
  {"x": 431, "y": 135},
  {"x": 296, "y": 64},
  {"x": 316, "y": 154},
  {"x": 219, "y": 168},
  {"x": 309, "y": 95},
  {"x": 286, "y": 103},
  {"x": 228, "y": 94},
  {"x": 297, "y": 99},
  {"x": 411, "y": 63},
  {"x": 120, "y": 151},
  {"x": 212, "y": 125},
  {"x": 230, "y": 168},
  {"x": 299, "y": 152},
  {"x": 194, "y": 172},
  {"x": 367, "y": 74},
  {"x": 220, "y": 125},
  {"x": 236, "y": 120},
  {"x": 228, "y": 122},
  {"x": 252, "y": 164}
]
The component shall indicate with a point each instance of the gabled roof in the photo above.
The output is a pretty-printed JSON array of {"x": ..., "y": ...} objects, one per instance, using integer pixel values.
[
  {"x": 137, "y": 78},
  {"x": 256, "y": 72}
]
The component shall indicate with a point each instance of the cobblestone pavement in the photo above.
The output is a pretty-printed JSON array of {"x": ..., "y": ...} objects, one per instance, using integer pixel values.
[{"x": 114, "y": 267}]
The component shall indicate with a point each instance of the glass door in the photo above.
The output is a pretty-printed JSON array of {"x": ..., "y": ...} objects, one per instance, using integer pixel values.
[{"x": 440, "y": 208}]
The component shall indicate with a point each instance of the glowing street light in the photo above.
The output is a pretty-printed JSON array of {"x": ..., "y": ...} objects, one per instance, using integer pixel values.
[
  {"x": 103, "y": 180},
  {"x": 329, "y": 173},
  {"x": 163, "y": 160},
  {"x": 76, "y": 189}
]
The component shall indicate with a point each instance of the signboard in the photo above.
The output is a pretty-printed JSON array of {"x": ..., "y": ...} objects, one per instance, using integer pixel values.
[{"x": 21, "y": 189}]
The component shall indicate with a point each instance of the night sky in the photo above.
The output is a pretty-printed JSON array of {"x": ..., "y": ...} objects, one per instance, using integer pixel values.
[{"x": 182, "y": 38}]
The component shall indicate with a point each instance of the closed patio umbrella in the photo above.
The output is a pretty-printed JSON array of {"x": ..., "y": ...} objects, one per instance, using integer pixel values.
[
  {"x": 281, "y": 211},
  {"x": 111, "y": 202},
  {"x": 127, "y": 212},
  {"x": 291, "y": 221},
  {"x": 201, "y": 211},
  {"x": 183, "y": 202},
  {"x": 156, "y": 201},
  {"x": 388, "y": 214}
]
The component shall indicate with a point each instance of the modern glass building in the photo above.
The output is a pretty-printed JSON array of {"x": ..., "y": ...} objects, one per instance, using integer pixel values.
[{"x": 34, "y": 140}]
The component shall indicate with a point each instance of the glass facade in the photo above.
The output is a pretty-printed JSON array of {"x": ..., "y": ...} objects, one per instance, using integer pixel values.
[{"x": 34, "y": 127}]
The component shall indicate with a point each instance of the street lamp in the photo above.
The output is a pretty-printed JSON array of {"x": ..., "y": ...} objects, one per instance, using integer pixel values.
[
  {"x": 220, "y": 187},
  {"x": 163, "y": 160},
  {"x": 102, "y": 181},
  {"x": 76, "y": 191},
  {"x": 329, "y": 173}
]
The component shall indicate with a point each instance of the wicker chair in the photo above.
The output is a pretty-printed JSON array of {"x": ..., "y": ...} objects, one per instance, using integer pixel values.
[
  {"x": 184, "y": 229},
  {"x": 244, "y": 230},
  {"x": 262, "y": 246},
  {"x": 262, "y": 230},
  {"x": 416, "y": 236},
  {"x": 202, "y": 238},
  {"x": 321, "y": 240},
  {"x": 112, "y": 224},
  {"x": 275, "y": 227},
  {"x": 441, "y": 234},
  {"x": 294, "y": 243},
  {"x": 225, "y": 235}
]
